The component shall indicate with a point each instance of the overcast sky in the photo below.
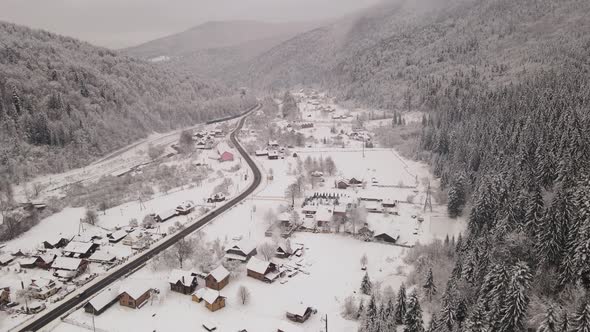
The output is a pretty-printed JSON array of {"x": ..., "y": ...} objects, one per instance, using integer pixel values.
[{"x": 120, "y": 23}]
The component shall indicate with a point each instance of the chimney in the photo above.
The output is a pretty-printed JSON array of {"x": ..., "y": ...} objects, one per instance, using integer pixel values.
[{"x": 183, "y": 280}]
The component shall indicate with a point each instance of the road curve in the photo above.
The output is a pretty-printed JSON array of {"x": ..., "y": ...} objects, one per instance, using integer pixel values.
[{"x": 147, "y": 255}]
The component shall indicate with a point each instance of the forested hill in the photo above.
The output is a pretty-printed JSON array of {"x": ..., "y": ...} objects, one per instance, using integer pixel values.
[{"x": 64, "y": 102}]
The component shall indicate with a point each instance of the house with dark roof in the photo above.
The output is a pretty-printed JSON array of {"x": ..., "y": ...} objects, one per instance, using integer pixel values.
[
  {"x": 182, "y": 281},
  {"x": 299, "y": 313},
  {"x": 77, "y": 249},
  {"x": 241, "y": 251},
  {"x": 58, "y": 241}
]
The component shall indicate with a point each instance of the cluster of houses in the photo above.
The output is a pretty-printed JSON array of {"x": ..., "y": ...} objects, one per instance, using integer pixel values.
[
  {"x": 184, "y": 208},
  {"x": 272, "y": 151},
  {"x": 205, "y": 140}
]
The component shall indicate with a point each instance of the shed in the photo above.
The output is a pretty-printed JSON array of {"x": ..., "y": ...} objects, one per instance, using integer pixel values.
[
  {"x": 218, "y": 278},
  {"x": 388, "y": 237},
  {"x": 213, "y": 299},
  {"x": 165, "y": 215},
  {"x": 98, "y": 304},
  {"x": 299, "y": 313},
  {"x": 117, "y": 236}
]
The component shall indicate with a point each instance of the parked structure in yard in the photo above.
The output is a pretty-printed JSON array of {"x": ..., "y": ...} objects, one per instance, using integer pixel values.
[
  {"x": 68, "y": 268},
  {"x": 134, "y": 296},
  {"x": 4, "y": 295},
  {"x": 355, "y": 181},
  {"x": 117, "y": 236},
  {"x": 241, "y": 251},
  {"x": 77, "y": 249},
  {"x": 56, "y": 242},
  {"x": 212, "y": 298},
  {"x": 218, "y": 278},
  {"x": 101, "y": 302},
  {"x": 182, "y": 282},
  {"x": 262, "y": 270},
  {"x": 299, "y": 313}
]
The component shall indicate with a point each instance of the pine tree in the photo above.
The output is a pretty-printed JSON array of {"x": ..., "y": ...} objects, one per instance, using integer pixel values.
[
  {"x": 400, "y": 306},
  {"x": 476, "y": 322},
  {"x": 564, "y": 323},
  {"x": 581, "y": 320},
  {"x": 517, "y": 299},
  {"x": 361, "y": 310},
  {"x": 366, "y": 285},
  {"x": 549, "y": 323},
  {"x": 456, "y": 198},
  {"x": 388, "y": 317},
  {"x": 429, "y": 286},
  {"x": 371, "y": 319},
  {"x": 461, "y": 312},
  {"x": 413, "y": 318},
  {"x": 446, "y": 316}
]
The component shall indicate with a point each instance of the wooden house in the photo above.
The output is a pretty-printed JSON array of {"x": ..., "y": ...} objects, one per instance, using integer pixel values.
[
  {"x": 117, "y": 236},
  {"x": 103, "y": 257},
  {"x": 212, "y": 298},
  {"x": 68, "y": 268},
  {"x": 218, "y": 278},
  {"x": 365, "y": 232},
  {"x": 4, "y": 294},
  {"x": 355, "y": 181},
  {"x": 182, "y": 282},
  {"x": 388, "y": 237},
  {"x": 101, "y": 302},
  {"x": 45, "y": 261},
  {"x": 241, "y": 251},
  {"x": 342, "y": 184},
  {"x": 262, "y": 270},
  {"x": 284, "y": 249},
  {"x": 56, "y": 242},
  {"x": 43, "y": 288},
  {"x": 389, "y": 203},
  {"x": 134, "y": 296},
  {"x": 6, "y": 259},
  {"x": 299, "y": 313},
  {"x": 165, "y": 215},
  {"x": 28, "y": 262},
  {"x": 77, "y": 249}
]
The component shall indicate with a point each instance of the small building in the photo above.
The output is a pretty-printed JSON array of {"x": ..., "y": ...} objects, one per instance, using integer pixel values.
[
  {"x": 284, "y": 249},
  {"x": 56, "y": 242},
  {"x": 323, "y": 216},
  {"x": 68, "y": 268},
  {"x": 373, "y": 207},
  {"x": 365, "y": 232},
  {"x": 273, "y": 154},
  {"x": 185, "y": 207},
  {"x": 262, "y": 270},
  {"x": 218, "y": 278},
  {"x": 117, "y": 236},
  {"x": 212, "y": 298},
  {"x": 103, "y": 257},
  {"x": 77, "y": 249},
  {"x": 340, "y": 210},
  {"x": 101, "y": 302},
  {"x": 241, "y": 251},
  {"x": 28, "y": 262},
  {"x": 260, "y": 153},
  {"x": 389, "y": 203},
  {"x": 45, "y": 261},
  {"x": 309, "y": 210},
  {"x": 209, "y": 325},
  {"x": 5, "y": 259},
  {"x": 134, "y": 296},
  {"x": 4, "y": 294},
  {"x": 342, "y": 184},
  {"x": 182, "y": 282},
  {"x": 165, "y": 215},
  {"x": 355, "y": 181},
  {"x": 43, "y": 288},
  {"x": 299, "y": 313},
  {"x": 226, "y": 156},
  {"x": 388, "y": 237},
  {"x": 273, "y": 144}
]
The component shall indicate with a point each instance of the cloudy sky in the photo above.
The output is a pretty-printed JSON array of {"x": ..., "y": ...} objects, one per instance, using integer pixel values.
[{"x": 120, "y": 23}]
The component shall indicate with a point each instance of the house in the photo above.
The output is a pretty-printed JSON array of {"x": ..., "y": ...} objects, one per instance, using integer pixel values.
[
  {"x": 213, "y": 299},
  {"x": 218, "y": 278},
  {"x": 299, "y": 313},
  {"x": 342, "y": 184},
  {"x": 117, "y": 236},
  {"x": 45, "y": 261},
  {"x": 241, "y": 251},
  {"x": 373, "y": 207},
  {"x": 309, "y": 210},
  {"x": 101, "y": 302},
  {"x": 80, "y": 249},
  {"x": 340, "y": 210},
  {"x": 355, "y": 181},
  {"x": 182, "y": 282},
  {"x": 273, "y": 144},
  {"x": 261, "y": 153},
  {"x": 284, "y": 249},
  {"x": 68, "y": 268},
  {"x": 365, "y": 232},
  {"x": 323, "y": 216},
  {"x": 185, "y": 207},
  {"x": 262, "y": 270},
  {"x": 273, "y": 154},
  {"x": 4, "y": 295},
  {"x": 226, "y": 156},
  {"x": 5, "y": 259},
  {"x": 388, "y": 237},
  {"x": 28, "y": 262},
  {"x": 165, "y": 215},
  {"x": 134, "y": 296},
  {"x": 103, "y": 257},
  {"x": 43, "y": 288},
  {"x": 389, "y": 203},
  {"x": 56, "y": 242}
]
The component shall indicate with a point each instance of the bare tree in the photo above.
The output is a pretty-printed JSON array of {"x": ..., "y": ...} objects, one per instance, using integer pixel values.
[
  {"x": 183, "y": 249},
  {"x": 148, "y": 221},
  {"x": 364, "y": 260},
  {"x": 330, "y": 166},
  {"x": 293, "y": 191},
  {"x": 133, "y": 222},
  {"x": 186, "y": 143},
  {"x": 267, "y": 250},
  {"x": 357, "y": 216},
  {"x": 91, "y": 217},
  {"x": 243, "y": 294}
]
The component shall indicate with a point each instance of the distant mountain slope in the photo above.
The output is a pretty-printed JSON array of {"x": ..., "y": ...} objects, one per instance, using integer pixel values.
[
  {"x": 64, "y": 102},
  {"x": 212, "y": 35}
]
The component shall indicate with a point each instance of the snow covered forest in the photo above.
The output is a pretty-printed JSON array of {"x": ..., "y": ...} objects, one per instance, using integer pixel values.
[{"x": 64, "y": 102}]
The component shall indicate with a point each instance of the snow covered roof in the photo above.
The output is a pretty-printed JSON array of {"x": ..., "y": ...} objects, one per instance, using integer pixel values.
[
  {"x": 47, "y": 258},
  {"x": 28, "y": 261},
  {"x": 78, "y": 247},
  {"x": 167, "y": 214},
  {"x": 288, "y": 327},
  {"x": 118, "y": 235},
  {"x": 373, "y": 205},
  {"x": 244, "y": 246},
  {"x": 323, "y": 214},
  {"x": 219, "y": 273},
  {"x": 298, "y": 309},
  {"x": 5, "y": 258},
  {"x": 209, "y": 295},
  {"x": 135, "y": 290},
  {"x": 235, "y": 257},
  {"x": 185, "y": 277},
  {"x": 66, "y": 263},
  {"x": 103, "y": 299},
  {"x": 310, "y": 208},
  {"x": 285, "y": 216},
  {"x": 284, "y": 246},
  {"x": 340, "y": 208},
  {"x": 102, "y": 256},
  {"x": 54, "y": 239},
  {"x": 257, "y": 265}
]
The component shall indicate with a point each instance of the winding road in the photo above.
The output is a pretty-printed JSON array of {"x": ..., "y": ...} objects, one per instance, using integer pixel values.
[{"x": 49, "y": 316}]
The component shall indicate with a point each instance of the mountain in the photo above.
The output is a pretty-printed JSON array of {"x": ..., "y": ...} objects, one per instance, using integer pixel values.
[
  {"x": 64, "y": 102},
  {"x": 209, "y": 48}
]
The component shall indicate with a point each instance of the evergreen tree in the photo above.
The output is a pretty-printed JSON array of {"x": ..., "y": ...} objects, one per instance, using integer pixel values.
[
  {"x": 400, "y": 306},
  {"x": 429, "y": 286},
  {"x": 456, "y": 198},
  {"x": 366, "y": 285},
  {"x": 564, "y": 323},
  {"x": 446, "y": 316},
  {"x": 361, "y": 310},
  {"x": 461, "y": 312},
  {"x": 549, "y": 323},
  {"x": 476, "y": 322},
  {"x": 413, "y": 318},
  {"x": 388, "y": 317},
  {"x": 517, "y": 299},
  {"x": 581, "y": 320},
  {"x": 371, "y": 318}
]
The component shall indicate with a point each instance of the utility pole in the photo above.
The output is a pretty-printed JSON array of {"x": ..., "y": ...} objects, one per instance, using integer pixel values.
[
  {"x": 325, "y": 319},
  {"x": 428, "y": 201},
  {"x": 93, "y": 314}
]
